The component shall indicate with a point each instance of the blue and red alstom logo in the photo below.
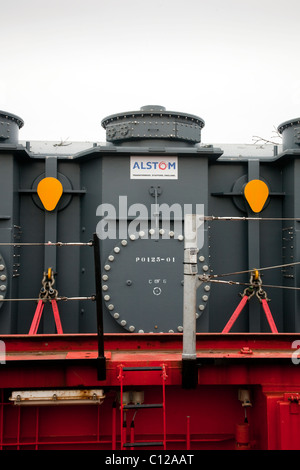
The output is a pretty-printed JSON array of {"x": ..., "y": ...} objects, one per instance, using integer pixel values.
[{"x": 154, "y": 167}]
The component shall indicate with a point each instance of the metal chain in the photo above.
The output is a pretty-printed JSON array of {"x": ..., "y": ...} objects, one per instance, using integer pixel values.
[{"x": 47, "y": 291}]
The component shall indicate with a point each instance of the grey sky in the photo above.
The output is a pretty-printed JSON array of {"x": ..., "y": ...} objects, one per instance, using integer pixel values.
[{"x": 67, "y": 64}]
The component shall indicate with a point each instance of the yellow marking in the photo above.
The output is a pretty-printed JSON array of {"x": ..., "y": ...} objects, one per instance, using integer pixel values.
[
  {"x": 256, "y": 192},
  {"x": 49, "y": 191}
]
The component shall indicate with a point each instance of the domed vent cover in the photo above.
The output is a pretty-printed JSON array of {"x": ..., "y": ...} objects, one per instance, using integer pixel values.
[
  {"x": 290, "y": 131},
  {"x": 153, "y": 122},
  {"x": 9, "y": 127}
]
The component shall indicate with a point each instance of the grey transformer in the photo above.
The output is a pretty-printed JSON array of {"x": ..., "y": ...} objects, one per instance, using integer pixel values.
[{"x": 139, "y": 184}]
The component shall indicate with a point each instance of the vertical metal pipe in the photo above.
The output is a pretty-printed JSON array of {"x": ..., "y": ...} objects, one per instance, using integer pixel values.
[
  {"x": 190, "y": 289},
  {"x": 189, "y": 357}
]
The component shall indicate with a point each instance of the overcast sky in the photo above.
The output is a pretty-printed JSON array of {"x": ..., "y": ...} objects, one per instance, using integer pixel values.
[{"x": 67, "y": 64}]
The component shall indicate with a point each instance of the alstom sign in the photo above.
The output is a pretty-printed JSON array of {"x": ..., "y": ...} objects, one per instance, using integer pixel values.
[{"x": 153, "y": 167}]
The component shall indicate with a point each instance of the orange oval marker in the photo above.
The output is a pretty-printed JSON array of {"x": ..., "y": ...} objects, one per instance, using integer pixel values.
[
  {"x": 50, "y": 191},
  {"x": 256, "y": 192}
]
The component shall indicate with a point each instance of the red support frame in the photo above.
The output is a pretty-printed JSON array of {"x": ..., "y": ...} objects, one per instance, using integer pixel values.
[
  {"x": 239, "y": 309},
  {"x": 269, "y": 316},
  {"x": 38, "y": 315},
  {"x": 261, "y": 362},
  {"x": 235, "y": 314}
]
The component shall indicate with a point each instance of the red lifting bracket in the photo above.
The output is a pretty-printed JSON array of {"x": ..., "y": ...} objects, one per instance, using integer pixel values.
[
  {"x": 255, "y": 288},
  {"x": 47, "y": 293}
]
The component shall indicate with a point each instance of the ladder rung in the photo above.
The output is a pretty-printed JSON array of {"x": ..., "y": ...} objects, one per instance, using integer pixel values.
[
  {"x": 142, "y": 405},
  {"x": 142, "y": 368},
  {"x": 142, "y": 444}
]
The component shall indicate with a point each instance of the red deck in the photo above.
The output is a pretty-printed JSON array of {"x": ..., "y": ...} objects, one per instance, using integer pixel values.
[{"x": 202, "y": 418}]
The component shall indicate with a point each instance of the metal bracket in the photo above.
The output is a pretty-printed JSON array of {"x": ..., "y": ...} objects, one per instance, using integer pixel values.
[
  {"x": 293, "y": 399},
  {"x": 155, "y": 191}
]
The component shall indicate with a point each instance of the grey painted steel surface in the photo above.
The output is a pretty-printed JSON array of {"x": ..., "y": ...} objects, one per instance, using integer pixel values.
[{"x": 145, "y": 279}]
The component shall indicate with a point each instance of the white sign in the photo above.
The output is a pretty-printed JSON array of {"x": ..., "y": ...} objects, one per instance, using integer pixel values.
[{"x": 148, "y": 167}]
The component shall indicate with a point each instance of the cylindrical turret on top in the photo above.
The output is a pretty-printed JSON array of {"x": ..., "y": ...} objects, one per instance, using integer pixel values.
[
  {"x": 9, "y": 127},
  {"x": 153, "y": 123},
  {"x": 290, "y": 131}
]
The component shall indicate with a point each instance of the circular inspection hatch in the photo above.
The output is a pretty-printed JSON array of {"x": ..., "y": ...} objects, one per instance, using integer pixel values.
[{"x": 142, "y": 284}]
